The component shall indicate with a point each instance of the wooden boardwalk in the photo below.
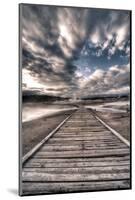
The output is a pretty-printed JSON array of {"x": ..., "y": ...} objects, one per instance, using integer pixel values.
[{"x": 82, "y": 155}]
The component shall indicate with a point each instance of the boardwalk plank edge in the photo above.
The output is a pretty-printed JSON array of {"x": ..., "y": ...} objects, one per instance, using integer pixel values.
[
  {"x": 55, "y": 187},
  {"x": 44, "y": 176}
]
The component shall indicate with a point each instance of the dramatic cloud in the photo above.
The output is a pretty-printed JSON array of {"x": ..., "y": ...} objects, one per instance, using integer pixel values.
[
  {"x": 115, "y": 80},
  {"x": 75, "y": 51}
]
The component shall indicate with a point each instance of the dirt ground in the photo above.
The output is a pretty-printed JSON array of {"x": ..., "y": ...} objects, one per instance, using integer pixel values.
[
  {"x": 118, "y": 121},
  {"x": 34, "y": 131}
]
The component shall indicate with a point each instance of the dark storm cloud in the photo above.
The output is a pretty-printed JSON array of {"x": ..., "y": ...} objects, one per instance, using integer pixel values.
[{"x": 56, "y": 41}]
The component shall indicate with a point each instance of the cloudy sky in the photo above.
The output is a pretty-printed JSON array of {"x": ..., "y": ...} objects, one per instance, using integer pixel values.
[{"x": 75, "y": 52}]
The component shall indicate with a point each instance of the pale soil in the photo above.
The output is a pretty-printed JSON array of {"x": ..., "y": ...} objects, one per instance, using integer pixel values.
[
  {"x": 36, "y": 130},
  {"x": 118, "y": 121}
]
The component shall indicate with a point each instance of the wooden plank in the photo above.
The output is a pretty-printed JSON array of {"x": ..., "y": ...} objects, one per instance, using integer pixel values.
[
  {"x": 88, "y": 117},
  {"x": 41, "y": 176},
  {"x": 80, "y": 142},
  {"x": 94, "y": 128},
  {"x": 93, "y": 121},
  {"x": 58, "y": 140},
  {"x": 84, "y": 122},
  {"x": 44, "y": 164},
  {"x": 84, "y": 133},
  {"x": 93, "y": 170},
  {"x": 78, "y": 125},
  {"x": 84, "y": 153},
  {"x": 82, "y": 116},
  {"x": 114, "y": 139},
  {"x": 91, "y": 152},
  {"x": 90, "y": 122},
  {"x": 87, "y": 145},
  {"x": 83, "y": 137},
  {"x": 59, "y": 187},
  {"x": 77, "y": 147},
  {"x": 81, "y": 131},
  {"x": 66, "y": 160}
]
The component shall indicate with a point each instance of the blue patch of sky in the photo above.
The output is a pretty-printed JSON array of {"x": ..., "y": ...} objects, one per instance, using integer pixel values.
[{"x": 89, "y": 58}]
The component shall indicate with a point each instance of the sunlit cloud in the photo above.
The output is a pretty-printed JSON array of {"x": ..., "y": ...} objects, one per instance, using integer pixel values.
[{"x": 30, "y": 81}]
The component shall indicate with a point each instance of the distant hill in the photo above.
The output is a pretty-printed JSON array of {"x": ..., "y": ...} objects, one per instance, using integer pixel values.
[
  {"x": 33, "y": 97},
  {"x": 106, "y": 96}
]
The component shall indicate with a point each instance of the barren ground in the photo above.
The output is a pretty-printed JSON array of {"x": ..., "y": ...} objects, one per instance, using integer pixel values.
[
  {"x": 118, "y": 121},
  {"x": 34, "y": 131}
]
